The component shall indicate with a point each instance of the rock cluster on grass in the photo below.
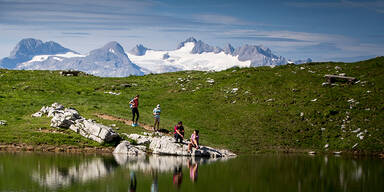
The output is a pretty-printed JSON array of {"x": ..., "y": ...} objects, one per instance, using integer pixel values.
[
  {"x": 70, "y": 118},
  {"x": 111, "y": 93},
  {"x": 165, "y": 145},
  {"x": 3, "y": 122}
]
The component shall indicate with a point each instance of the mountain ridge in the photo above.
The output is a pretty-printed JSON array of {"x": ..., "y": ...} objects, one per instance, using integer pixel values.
[
  {"x": 29, "y": 47},
  {"x": 111, "y": 59}
]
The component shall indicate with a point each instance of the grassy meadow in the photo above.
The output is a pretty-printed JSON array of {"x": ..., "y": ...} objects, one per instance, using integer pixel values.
[{"x": 246, "y": 110}]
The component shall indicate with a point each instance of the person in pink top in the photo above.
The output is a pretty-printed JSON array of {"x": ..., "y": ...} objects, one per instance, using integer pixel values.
[
  {"x": 194, "y": 141},
  {"x": 134, "y": 104}
]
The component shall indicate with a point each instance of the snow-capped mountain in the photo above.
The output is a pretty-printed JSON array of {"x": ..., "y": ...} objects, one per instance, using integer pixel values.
[
  {"x": 302, "y": 61},
  {"x": 138, "y": 50},
  {"x": 112, "y": 61},
  {"x": 108, "y": 61},
  {"x": 193, "y": 54},
  {"x": 26, "y": 49},
  {"x": 184, "y": 58}
]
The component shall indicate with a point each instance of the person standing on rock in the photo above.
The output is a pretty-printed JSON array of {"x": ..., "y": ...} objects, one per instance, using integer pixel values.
[
  {"x": 134, "y": 104},
  {"x": 179, "y": 132},
  {"x": 156, "y": 114}
]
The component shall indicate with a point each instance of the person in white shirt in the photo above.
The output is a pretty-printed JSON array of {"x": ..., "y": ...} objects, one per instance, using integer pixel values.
[{"x": 156, "y": 115}]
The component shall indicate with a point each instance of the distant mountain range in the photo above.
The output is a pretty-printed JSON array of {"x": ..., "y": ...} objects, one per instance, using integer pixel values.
[{"x": 112, "y": 61}]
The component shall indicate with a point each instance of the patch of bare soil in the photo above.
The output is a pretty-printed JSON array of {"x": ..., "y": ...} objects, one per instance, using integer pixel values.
[
  {"x": 129, "y": 122},
  {"x": 125, "y": 121}
]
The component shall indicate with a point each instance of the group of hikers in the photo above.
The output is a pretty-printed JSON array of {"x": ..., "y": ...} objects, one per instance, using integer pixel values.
[{"x": 178, "y": 129}]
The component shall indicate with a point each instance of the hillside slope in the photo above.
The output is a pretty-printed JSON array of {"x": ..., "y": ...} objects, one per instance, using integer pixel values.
[{"x": 246, "y": 110}]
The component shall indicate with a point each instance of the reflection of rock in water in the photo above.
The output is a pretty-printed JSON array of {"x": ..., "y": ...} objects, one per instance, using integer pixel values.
[
  {"x": 63, "y": 176},
  {"x": 159, "y": 163}
]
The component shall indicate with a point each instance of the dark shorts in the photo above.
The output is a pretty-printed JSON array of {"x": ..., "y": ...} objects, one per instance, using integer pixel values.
[{"x": 178, "y": 137}]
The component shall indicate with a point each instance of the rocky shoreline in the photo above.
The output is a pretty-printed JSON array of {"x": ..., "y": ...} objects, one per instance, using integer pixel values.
[
  {"x": 148, "y": 143},
  {"x": 160, "y": 144}
]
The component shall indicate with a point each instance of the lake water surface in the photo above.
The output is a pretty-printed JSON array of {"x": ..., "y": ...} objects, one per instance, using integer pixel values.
[{"x": 77, "y": 172}]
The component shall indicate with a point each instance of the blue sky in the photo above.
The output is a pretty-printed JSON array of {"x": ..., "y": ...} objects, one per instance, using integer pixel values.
[{"x": 322, "y": 30}]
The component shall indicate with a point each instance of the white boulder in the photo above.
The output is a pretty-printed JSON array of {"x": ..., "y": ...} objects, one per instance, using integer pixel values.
[
  {"x": 70, "y": 118},
  {"x": 165, "y": 145},
  {"x": 125, "y": 147}
]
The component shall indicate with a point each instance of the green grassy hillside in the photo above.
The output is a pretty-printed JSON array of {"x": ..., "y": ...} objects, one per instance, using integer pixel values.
[{"x": 246, "y": 110}]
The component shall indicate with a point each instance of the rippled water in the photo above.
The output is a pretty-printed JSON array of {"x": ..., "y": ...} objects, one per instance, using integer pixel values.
[{"x": 76, "y": 172}]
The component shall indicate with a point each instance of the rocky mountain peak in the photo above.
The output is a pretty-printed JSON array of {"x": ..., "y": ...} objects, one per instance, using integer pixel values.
[{"x": 139, "y": 50}]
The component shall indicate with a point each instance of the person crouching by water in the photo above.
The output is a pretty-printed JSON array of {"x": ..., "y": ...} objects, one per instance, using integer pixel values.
[
  {"x": 134, "y": 104},
  {"x": 194, "y": 141},
  {"x": 156, "y": 114},
  {"x": 179, "y": 132}
]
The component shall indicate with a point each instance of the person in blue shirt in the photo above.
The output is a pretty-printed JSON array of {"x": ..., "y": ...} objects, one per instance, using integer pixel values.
[{"x": 156, "y": 115}]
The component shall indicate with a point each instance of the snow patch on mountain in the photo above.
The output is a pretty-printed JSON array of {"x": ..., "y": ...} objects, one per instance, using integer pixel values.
[
  {"x": 183, "y": 58},
  {"x": 112, "y": 61},
  {"x": 41, "y": 58},
  {"x": 108, "y": 61},
  {"x": 26, "y": 49}
]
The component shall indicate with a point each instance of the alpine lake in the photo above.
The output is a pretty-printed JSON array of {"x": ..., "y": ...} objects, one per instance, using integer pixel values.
[{"x": 24, "y": 171}]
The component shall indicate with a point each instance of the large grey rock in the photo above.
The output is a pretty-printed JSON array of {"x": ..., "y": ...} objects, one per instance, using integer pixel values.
[
  {"x": 165, "y": 145},
  {"x": 70, "y": 118},
  {"x": 125, "y": 147},
  {"x": 62, "y": 118},
  {"x": 140, "y": 139}
]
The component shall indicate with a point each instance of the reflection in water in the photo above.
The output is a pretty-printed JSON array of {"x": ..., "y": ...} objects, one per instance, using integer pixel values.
[
  {"x": 177, "y": 177},
  {"x": 58, "y": 172},
  {"x": 85, "y": 171},
  {"x": 155, "y": 185},
  {"x": 193, "y": 168},
  {"x": 133, "y": 183},
  {"x": 160, "y": 163}
]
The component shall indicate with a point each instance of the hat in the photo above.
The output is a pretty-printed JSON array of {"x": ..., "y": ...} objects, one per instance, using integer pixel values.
[{"x": 158, "y": 106}]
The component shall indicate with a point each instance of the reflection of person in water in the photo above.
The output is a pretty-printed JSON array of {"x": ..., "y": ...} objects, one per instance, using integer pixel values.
[
  {"x": 132, "y": 185},
  {"x": 177, "y": 176},
  {"x": 154, "y": 186},
  {"x": 193, "y": 168}
]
